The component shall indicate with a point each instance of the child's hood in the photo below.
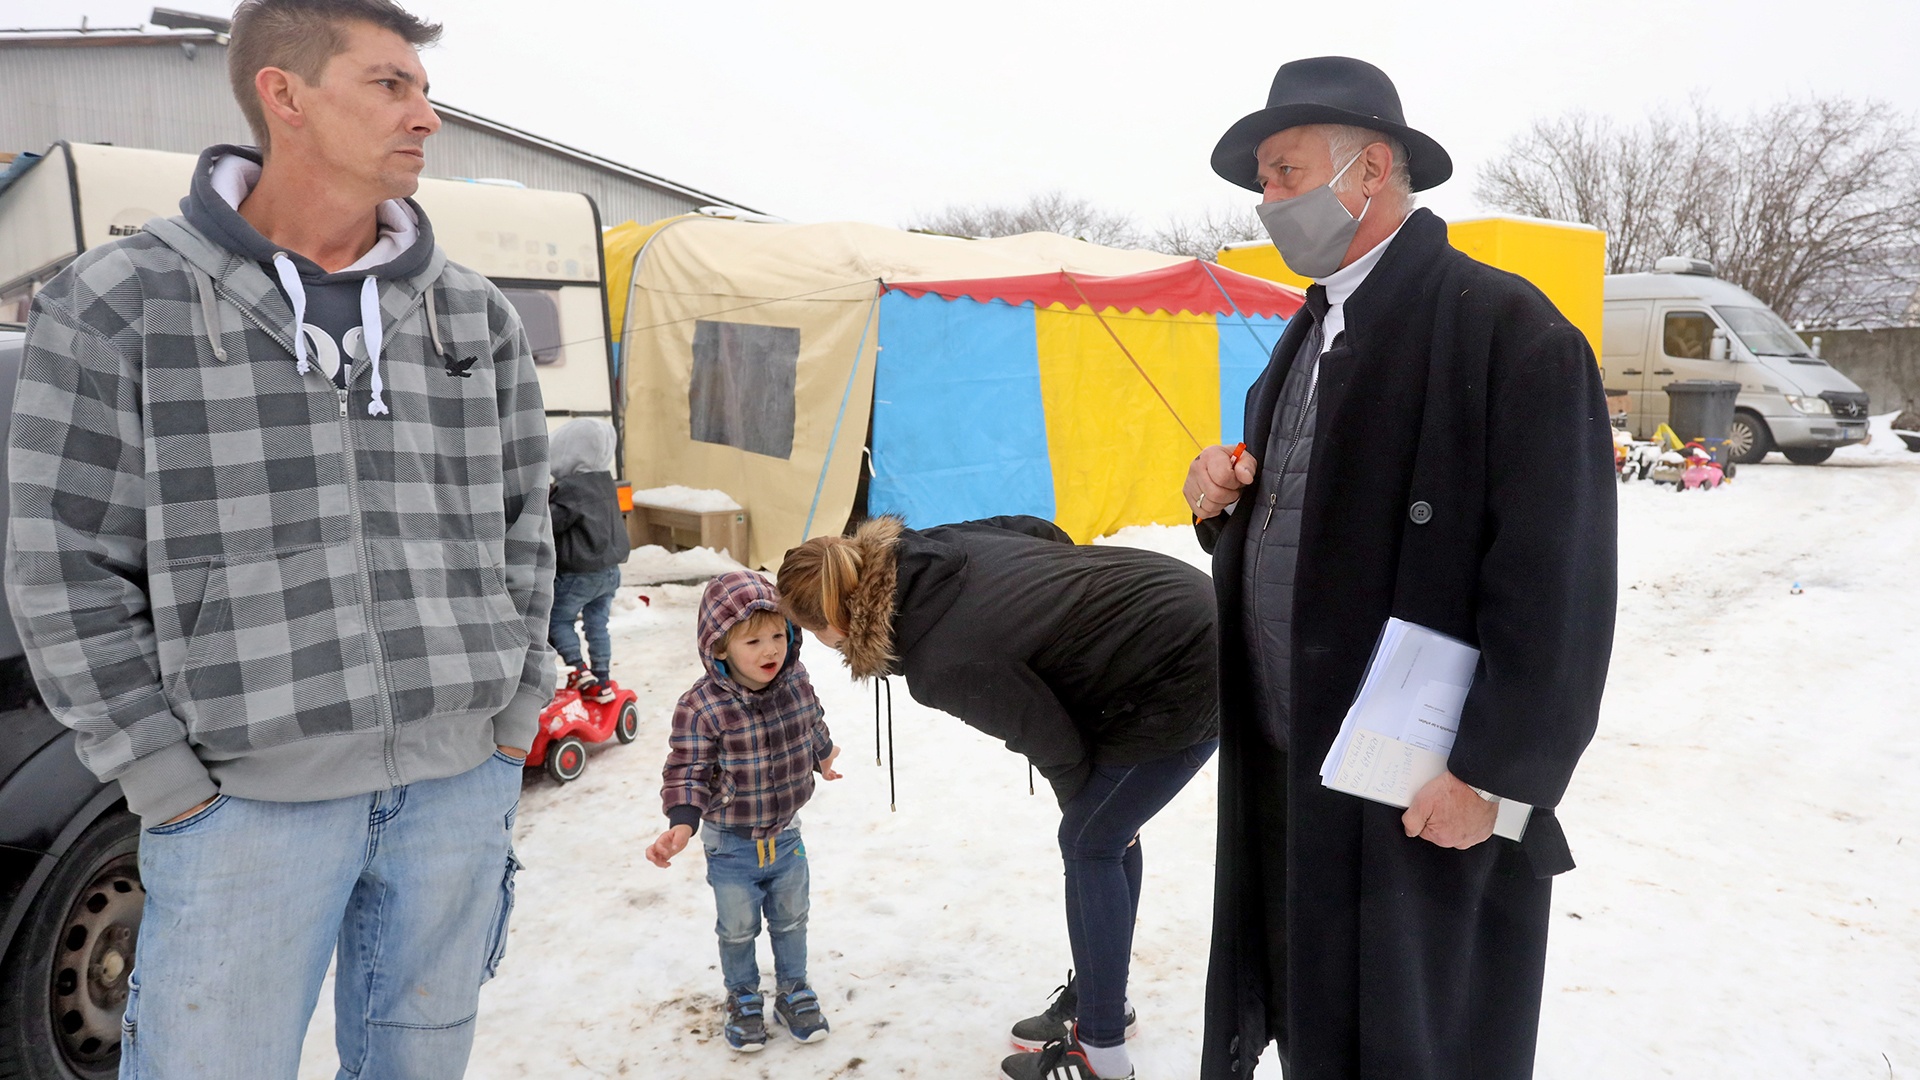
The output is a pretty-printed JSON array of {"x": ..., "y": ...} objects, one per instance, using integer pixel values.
[
  {"x": 730, "y": 598},
  {"x": 586, "y": 444}
]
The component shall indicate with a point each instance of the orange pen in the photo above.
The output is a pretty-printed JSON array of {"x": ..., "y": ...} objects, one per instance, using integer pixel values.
[{"x": 1238, "y": 449}]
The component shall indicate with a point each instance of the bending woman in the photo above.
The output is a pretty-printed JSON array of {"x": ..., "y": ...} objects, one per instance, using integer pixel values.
[{"x": 1097, "y": 663}]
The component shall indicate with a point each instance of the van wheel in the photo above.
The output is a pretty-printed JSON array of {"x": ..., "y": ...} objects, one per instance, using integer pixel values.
[
  {"x": 1808, "y": 455},
  {"x": 64, "y": 983},
  {"x": 1748, "y": 440}
]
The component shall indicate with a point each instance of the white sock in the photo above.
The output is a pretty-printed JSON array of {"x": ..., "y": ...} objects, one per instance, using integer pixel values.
[{"x": 1108, "y": 1060}]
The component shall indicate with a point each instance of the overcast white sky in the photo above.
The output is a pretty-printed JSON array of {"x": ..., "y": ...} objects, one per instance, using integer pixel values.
[{"x": 873, "y": 111}]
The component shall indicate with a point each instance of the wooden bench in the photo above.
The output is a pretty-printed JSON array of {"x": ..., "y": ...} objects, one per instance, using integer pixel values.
[{"x": 677, "y": 530}]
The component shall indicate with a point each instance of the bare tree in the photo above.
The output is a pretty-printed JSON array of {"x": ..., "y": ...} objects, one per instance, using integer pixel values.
[
  {"x": 1800, "y": 204},
  {"x": 1053, "y": 211},
  {"x": 1202, "y": 235}
]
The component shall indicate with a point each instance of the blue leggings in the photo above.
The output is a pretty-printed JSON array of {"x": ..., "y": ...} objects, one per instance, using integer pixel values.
[{"x": 1097, "y": 840}]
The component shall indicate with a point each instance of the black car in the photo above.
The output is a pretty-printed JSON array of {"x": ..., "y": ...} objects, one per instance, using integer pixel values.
[{"x": 70, "y": 896}]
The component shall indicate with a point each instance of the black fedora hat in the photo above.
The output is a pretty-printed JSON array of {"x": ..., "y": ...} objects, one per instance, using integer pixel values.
[{"x": 1329, "y": 90}]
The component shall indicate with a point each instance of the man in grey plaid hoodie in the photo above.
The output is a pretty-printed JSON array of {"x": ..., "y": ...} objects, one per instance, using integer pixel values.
[{"x": 280, "y": 554}]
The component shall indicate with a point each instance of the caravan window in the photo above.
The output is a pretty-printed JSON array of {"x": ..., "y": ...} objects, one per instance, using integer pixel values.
[
  {"x": 742, "y": 388},
  {"x": 540, "y": 313}
]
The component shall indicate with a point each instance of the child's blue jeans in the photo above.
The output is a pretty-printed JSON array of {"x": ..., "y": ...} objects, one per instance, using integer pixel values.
[
  {"x": 748, "y": 877},
  {"x": 248, "y": 900},
  {"x": 587, "y": 599},
  {"x": 1098, "y": 828}
]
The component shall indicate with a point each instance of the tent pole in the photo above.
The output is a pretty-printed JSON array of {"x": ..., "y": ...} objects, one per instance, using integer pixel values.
[{"x": 879, "y": 287}]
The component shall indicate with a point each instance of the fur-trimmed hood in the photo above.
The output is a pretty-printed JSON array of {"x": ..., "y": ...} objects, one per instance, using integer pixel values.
[{"x": 868, "y": 650}]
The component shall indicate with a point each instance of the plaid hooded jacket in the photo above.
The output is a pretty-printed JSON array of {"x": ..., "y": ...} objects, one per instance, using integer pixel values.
[
  {"x": 229, "y": 576},
  {"x": 741, "y": 758}
]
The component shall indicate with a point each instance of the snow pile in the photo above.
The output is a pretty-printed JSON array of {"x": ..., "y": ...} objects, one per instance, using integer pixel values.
[
  {"x": 1746, "y": 903},
  {"x": 692, "y": 500},
  {"x": 652, "y": 563}
]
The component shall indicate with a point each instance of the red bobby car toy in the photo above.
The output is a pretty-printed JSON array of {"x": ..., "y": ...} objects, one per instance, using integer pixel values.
[{"x": 571, "y": 722}]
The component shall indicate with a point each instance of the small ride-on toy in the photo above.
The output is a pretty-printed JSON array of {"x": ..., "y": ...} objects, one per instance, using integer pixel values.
[{"x": 571, "y": 722}]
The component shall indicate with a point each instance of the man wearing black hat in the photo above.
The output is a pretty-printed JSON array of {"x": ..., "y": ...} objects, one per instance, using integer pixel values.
[{"x": 1429, "y": 441}]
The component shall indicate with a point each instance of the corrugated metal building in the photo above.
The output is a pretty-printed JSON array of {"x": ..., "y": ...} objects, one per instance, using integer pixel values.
[{"x": 168, "y": 91}]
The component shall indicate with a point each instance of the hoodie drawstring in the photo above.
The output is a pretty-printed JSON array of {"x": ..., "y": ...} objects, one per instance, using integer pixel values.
[
  {"x": 893, "y": 802},
  {"x": 370, "y": 332},
  {"x": 297, "y": 296},
  {"x": 433, "y": 327},
  {"x": 370, "y": 327},
  {"x": 210, "y": 310}
]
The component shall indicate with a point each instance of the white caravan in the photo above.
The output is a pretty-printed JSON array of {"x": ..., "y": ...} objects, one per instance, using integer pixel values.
[
  {"x": 542, "y": 248},
  {"x": 1681, "y": 322}
]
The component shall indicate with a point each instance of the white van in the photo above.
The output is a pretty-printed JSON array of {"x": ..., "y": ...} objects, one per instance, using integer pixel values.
[
  {"x": 1681, "y": 322},
  {"x": 542, "y": 248}
]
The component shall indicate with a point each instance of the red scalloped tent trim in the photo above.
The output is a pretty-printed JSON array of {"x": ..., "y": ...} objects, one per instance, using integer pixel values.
[{"x": 1183, "y": 288}]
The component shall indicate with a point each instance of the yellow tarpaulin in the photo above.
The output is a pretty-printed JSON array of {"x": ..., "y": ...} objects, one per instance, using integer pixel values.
[{"x": 1118, "y": 454}]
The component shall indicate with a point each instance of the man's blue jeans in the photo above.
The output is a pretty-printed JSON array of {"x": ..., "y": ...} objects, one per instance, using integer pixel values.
[
  {"x": 247, "y": 900},
  {"x": 1097, "y": 839},
  {"x": 587, "y": 599},
  {"x": 748, "y": 877}
]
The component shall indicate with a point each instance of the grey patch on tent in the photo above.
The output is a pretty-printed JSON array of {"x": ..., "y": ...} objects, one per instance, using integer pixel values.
[{"x": 741, "y": 394}]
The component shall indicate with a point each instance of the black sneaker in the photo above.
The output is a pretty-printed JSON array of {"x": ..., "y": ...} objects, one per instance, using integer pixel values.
[
  {"x": 798, "y": 1007},
  {"x": 1035, "y": 1032},
  {"x": 746, "y": 1029},
  {"x": 1061, "y": 1060}
]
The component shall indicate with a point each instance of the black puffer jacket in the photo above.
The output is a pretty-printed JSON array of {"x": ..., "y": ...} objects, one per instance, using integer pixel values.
[
  {"x": 589, "y": 532},
  {"x": 1069, "y": 654}
]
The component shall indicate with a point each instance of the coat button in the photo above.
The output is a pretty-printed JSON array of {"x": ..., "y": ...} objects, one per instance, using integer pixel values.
[{"x": 1421, "y": 512}]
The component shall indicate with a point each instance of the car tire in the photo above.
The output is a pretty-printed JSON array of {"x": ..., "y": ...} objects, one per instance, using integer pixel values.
[
  {"x": 627, "y": 727},
  {"x": 567, "y": 759},
  {"x": 1808, "y": 455},
  {"x": 64, "y": 982},
  {"x": 1748, "y": 439}
]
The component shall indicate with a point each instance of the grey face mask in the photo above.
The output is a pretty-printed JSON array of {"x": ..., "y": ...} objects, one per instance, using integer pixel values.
[{"x": 1313, "y": 231}]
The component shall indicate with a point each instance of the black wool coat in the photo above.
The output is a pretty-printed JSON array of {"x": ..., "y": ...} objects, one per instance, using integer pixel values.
[
  {"x": 1462, "y": 479},
  {"x": 1070, "y": 654}
]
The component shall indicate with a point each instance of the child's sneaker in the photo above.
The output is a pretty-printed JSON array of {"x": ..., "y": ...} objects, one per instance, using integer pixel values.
[
  {"x": 1035, "y": 1032},
  {"x": 584, "y": 681},
  {"x": 1063, "y": 1059},
  {"x": 746, "y": 1023},
  {"x": 600, "y": 691},
  {"x": 798, "y": 1007}
]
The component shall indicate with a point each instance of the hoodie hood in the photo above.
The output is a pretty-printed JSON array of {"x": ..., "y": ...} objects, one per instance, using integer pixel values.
[
  {"x": 225, "y": 176},
  {"x": 583, "y": 445},
  {"x": 730, "y": 598},
  {"x": 222, "y": 180}
]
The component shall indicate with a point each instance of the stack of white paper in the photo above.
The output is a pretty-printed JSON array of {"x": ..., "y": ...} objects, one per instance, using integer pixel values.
[{"x": 1398, "y": 733}]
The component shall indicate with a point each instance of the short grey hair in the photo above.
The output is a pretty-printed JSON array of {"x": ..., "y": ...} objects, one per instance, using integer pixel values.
[{"x": 1345, "y": 140}]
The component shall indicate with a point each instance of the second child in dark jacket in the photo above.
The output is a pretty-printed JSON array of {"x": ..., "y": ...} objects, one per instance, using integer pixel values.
[
  {"x": 590, "y": 543},
  {"x": 747, "y": 739}
]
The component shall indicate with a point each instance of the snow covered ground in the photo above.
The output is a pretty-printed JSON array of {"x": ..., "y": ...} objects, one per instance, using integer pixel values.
[{"x": 1746, "y": 903}]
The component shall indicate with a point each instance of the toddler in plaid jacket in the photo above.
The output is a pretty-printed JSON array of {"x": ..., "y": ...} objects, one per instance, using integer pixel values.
[{"x": 747, "y": 739}]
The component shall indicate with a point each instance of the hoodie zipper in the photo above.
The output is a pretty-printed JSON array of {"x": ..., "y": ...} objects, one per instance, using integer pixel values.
[{"x": 363, "y": 583}]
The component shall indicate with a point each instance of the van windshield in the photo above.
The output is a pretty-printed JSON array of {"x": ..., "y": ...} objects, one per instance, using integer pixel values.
[{"x": 1765, "y": 333}]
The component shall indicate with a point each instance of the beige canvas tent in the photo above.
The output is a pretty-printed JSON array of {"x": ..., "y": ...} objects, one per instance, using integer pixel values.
[{"x": 749, "y": 353}]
